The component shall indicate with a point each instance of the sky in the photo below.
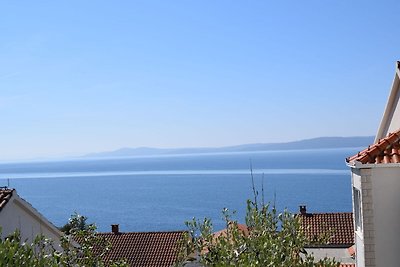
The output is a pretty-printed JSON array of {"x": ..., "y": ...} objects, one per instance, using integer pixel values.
[{"x": 87, "y": 76}]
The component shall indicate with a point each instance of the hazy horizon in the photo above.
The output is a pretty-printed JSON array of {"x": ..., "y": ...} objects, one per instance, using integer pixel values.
[{"x": 90, "y": 154}]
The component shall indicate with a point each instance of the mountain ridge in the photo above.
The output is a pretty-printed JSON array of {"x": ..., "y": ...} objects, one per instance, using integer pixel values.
[{"x": 312, "y": 143}]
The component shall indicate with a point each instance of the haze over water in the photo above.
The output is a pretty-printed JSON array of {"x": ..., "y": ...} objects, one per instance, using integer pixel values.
[{"x": 159, "y": 193}]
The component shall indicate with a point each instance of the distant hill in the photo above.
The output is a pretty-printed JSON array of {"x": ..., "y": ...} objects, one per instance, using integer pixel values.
[{"x": 314, "y": 143}]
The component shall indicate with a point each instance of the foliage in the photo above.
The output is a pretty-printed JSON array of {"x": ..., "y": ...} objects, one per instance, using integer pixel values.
[
  {"x": 91, "y": 246},
  {"x": 42, "y": 253},
  {"x": 76, "y": 222},
  {"x": 15, "y": 253},
  {"x": 272, "y": 239}
]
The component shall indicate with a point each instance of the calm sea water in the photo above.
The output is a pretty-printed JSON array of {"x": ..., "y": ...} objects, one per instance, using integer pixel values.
[{"x": 160, "y": 193}]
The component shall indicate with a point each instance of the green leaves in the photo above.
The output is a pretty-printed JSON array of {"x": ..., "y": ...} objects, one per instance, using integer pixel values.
[
  {"x": 15, "y": 253},
  {"x": 271, "y": 239},
  {"x": 83, "y": 247},
  {"x": 41, "y": 252},
  {"x": 75, "y": 223}
]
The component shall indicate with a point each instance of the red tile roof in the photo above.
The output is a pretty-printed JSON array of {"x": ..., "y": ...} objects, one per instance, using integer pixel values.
[
  {"x": 144, "y": 249},
  {"x": 5, "y": 195},
  {"x": 241, "y": 227},
  {"x": 338, "y": 226},
  {"x": 347, "y": 265},
  {"x": 387, "y": 150},
  {"x": 352, "y": 251}
]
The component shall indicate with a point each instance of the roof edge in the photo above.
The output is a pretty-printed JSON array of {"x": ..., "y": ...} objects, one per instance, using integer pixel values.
[
  {"x": 319, "y": 213},
  {"x": 371, "y": 152},
  {"x": 348, "y": 245},
  {"x": 21, "y": 202},
  {"x": 149, "y": 232},
  {"x": 389, "y": 108},
  {"x": 359, "y": 165}
]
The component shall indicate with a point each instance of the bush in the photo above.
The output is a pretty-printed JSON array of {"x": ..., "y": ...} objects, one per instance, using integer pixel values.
[
  {"x": 271, "y": 239},
  {"x": 41, "y": 252}
]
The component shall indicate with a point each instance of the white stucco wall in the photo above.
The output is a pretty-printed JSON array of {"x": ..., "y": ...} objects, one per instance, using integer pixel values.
[
  {"x": 358, "y": 235},
  {"x": 18, "y": 214},
  {"x": 356, "y": 178},
  {"x": 360, "y": 256},
  {"x": 340, "y": 254},
  {"x": 386, "y": 209}
]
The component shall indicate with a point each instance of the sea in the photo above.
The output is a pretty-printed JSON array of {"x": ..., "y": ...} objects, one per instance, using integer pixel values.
[{"x": 160, "y": 193}]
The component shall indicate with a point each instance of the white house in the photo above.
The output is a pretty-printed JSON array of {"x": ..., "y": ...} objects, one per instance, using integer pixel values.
[
  {"x": 16, "y": 213},
  {"x": 375, "y": 175}
]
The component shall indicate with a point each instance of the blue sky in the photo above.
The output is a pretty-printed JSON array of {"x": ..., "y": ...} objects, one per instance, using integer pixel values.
[{"x": 88, "y": 76}]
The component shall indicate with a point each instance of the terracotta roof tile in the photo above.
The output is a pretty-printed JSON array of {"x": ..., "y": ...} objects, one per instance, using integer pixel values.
[
  {"x": 387, "y": 150},
  {"x": 339, "y": 226},
  {"x": 241, "y": 227},
  {"x": 5, "y": 195},
  {"x": 144, "y": 249},
  {"x": 352, "y": 250},
  {"x": 347, "y": 265}
]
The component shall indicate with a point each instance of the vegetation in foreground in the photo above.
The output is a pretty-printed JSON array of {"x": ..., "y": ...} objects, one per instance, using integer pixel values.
[
  {"x": 42, "y": 253},
  {"x": 271, "y": 239}
]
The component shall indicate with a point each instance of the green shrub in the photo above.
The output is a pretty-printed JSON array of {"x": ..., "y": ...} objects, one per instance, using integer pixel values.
[{"x": 272, "y": 239}]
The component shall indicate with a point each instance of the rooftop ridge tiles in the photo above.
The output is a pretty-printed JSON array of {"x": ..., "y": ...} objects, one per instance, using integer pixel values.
[
  {"x": 379, "y": 153},
  {"x": 329, "y": 213},
  {"x": 144, "y": 232},
  {"x": 5, "y": 196}
]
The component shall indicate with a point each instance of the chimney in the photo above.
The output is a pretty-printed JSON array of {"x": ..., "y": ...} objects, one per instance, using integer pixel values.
[
  {"x": 115, "y": 228},
  {"x": 303, "y": 210}
]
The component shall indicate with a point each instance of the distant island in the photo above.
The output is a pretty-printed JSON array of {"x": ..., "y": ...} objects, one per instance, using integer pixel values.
[{"x": 313, "y": 143}]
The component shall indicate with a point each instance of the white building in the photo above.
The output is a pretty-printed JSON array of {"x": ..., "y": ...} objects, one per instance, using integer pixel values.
[
  {"x": 16, "y": 213},
  {"x": 375, "y": 175}
]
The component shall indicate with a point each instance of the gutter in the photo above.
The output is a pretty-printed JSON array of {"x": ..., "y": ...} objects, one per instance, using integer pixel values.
[
  {"x": 322, "y": 246},
  {"x": 359, "y": 165}
]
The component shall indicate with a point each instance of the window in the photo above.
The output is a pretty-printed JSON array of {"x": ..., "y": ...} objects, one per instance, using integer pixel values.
[{"x": 357, "y": 208}]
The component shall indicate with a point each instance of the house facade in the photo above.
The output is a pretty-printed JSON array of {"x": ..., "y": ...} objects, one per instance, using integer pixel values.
[
  {"x": 375, "y": 174},
  {"x": 16, "y": 213}
]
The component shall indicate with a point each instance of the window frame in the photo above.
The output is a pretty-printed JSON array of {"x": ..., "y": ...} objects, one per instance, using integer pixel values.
[{"x": 357, "y": 203}]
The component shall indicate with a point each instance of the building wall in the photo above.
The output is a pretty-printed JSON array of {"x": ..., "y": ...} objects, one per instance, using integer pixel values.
[
  {"x": 359, "y": 236},
  {"x": 385, "y": 184},
  {"x": 368, "y": 215},
  {"x": 394, "y": 124},
  {"x": 390, "y": 122},
  {"x": 18, "y": 214},
  {"x": 340, "y": 254}
]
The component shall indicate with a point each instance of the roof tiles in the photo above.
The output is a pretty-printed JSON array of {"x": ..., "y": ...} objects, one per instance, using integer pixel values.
[
  {"x": 144, "y": 249},
  {"x": 5, "y": 195},
  {"x": 241, "y": 227},
  {"x": 337, "y": 226},
  {"x": 387, "y": 150}
]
